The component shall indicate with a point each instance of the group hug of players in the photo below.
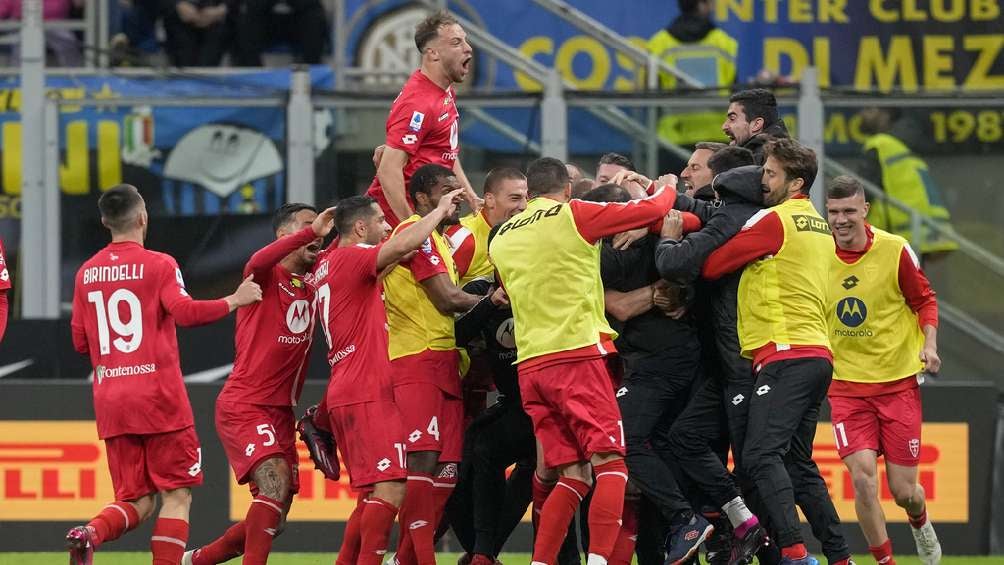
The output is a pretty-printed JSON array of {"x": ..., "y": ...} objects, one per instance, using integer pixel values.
[{"x": 736, "y": 303}]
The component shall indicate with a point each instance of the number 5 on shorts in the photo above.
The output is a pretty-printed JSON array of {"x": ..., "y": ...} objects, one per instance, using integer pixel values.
[{"x": 269, "y": 432}]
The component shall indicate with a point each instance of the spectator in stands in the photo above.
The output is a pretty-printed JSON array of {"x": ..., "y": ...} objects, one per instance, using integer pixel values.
[
  {"x": 63, "y": 43},
  {"x": 901, "y": 174},
  {"x": 259, "y": 23},
  {"x": 197, "y": 31},
  {"x": 695, "y": 45}
]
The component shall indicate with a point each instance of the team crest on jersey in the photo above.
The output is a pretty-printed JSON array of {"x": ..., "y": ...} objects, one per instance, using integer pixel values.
[
  {"x": 296, "y": 282},
  {"x": 416, "y": 121}
]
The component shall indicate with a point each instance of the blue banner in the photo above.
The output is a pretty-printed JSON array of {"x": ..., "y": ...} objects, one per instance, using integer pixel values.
[{"x": 189, "y": 160}]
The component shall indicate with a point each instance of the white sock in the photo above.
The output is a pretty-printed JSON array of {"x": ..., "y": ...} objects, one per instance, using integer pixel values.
[
  {"x": 737, "y": 512},
  {"x": 595, "y": 560}
]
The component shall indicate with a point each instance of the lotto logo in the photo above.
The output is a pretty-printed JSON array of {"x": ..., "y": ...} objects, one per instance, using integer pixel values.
[
  {"x": 738, "y": 399},
  {"x": 414, "y": 436},
  {"x": 409, "y": 139},
  {"x": 417, "y": 524},
  {"x": 763, "y": 390},
  {"x": 621, "y": 391},
  {"x": 383, "y": 464},
  {"x": 249, "y": 450}
]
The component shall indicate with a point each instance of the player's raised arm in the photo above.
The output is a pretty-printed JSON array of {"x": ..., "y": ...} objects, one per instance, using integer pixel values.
[
  {"x": 261, "y": 263},
  {"x": 189, "y": 312},
  {"x": 391, "y": 177},
  {"x": 412, "y": 237}
]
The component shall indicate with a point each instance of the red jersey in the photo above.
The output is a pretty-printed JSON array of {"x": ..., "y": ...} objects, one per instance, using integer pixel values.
[
  {"x": 350, "y": 299},
  {"x": 4, "y": 273},
  {"x": 126, "y": 300},
  {"x": 273, "y": 336},
  {"x": 425, "y": 124}
]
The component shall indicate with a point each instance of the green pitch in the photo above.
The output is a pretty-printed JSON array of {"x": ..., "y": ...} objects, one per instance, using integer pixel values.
[{"x": 115, "y": 558}]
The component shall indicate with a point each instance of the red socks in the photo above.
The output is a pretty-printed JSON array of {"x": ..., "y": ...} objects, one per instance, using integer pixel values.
[
  {"x": 259, "y": 529},
  {"x": 168, "y": 542},
  {"x": 918, "y": 521},
  {"x": 606, "y": 507},
  {"x": 883, "y": 553},
  {"x": 114, "y": 520},
  {"x": 377, "y": 520},
  {"x": 796, "y": 551},
  {"x": 351, "y": 539},
  {"x": 540, "y": 492},
  {"x": 624, "y": 547},
  {"x": 555, "y": 517},
  {"x": 418, "y": 514},
  {"x": 223, "y": 549},
  {"x": 443, "y": 487}
]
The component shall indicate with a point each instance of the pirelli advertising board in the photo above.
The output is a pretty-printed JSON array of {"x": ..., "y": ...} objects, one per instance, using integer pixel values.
[{"x": 54, "y": 473}]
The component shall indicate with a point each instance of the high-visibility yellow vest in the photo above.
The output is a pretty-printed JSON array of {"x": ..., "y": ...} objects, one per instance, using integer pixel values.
[
  {"x": 414, "y": 322},
  {"x": 906, "y": 178},
  {"x": 552, "y": 277},
  {"x": 712, "y": 61},
  {"x": 875, "y": 335},
  {"x": 783, "y": 297},
  {"x": 477, "y": 226}
]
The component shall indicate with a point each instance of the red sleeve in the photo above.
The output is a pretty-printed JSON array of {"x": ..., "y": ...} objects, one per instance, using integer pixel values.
[
  {"x": 77, "y": 328},
  {"x": 596, "y": 220},
  {"x": 463, "y": 252},
  {"x": 186, "y": 311},
  {"x": 916, "y": 289},
  {"x": 4, "y": 273},
  {"x": 762, "y": 235},
  {"x": 691, "y": 223},
  {"x": 261, "y": 263},
  {"x": 408, "y": 123},
  {"x": 426, "y": 263}
]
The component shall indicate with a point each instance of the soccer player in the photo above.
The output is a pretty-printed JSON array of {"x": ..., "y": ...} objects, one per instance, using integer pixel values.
[
  {"x": 126, "y": 301},
  {"x": 505, "y": 196},
  {"x": 254, "y": 411},
  {"x": 884, "y": 331},
  {"x": 4, "y": 287},
  {"x": 784, "y": 252},
  {"x": 424, "y": 126},
  {"x": 421, "y": 298},
  {"x": 360, "y": 403},
  {"x": 548, "y": 260}
]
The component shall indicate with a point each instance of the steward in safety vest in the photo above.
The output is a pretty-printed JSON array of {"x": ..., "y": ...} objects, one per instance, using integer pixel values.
[
  {"x": 785, "y": 252},
  {"x": 693, "y": 44},
  {"x": 883, "y": 322}
]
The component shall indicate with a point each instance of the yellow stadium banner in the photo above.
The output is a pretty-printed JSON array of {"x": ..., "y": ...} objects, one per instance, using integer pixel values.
[{"x": 52, "y": 471}]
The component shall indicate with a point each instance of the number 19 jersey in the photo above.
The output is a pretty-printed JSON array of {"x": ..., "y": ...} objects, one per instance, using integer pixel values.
[{"x": 126, "y": 300}]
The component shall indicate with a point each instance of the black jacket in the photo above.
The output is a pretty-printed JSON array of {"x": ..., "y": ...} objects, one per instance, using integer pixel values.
[
  {"x": 741, "y": 197},
  {"x": 755, "y": 144},
  {"x": 487, "y": 330}
]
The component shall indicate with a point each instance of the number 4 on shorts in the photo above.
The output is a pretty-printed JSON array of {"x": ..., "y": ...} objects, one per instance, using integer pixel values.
[{"x": 433, "y": 428}]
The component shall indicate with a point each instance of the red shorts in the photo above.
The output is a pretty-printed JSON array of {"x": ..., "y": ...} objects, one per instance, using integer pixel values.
[
  {"x": 143, "y": 464},
  {"x": 888, "y": 424},
  {"x": 371, "y": 442},
  {"x": 427, "y": 394},
  {"x": 574, "y": 412},
  {"x": 252, "y": 433}
]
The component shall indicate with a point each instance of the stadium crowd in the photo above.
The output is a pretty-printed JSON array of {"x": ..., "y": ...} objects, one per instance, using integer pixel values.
[{"x": 636, "y": 332}]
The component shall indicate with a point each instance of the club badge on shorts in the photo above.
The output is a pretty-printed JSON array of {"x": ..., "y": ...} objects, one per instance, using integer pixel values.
[{"x": 915, "y": 447}]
